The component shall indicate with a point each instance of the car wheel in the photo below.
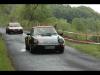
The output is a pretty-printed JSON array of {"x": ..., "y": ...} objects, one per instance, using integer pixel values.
[
  {"x": 27, "y": 47},
  {"x": 31, "y": 49},
  {"x": 6, "y": 32},
  {"x": 9, "y": 32},
  {"x": 21, "y": 32}
]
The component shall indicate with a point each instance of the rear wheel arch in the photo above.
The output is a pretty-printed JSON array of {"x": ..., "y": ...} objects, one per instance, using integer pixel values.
[{"x": 26, "y": 38}]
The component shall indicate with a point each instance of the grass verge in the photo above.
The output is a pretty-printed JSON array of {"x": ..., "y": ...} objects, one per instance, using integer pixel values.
[
  {"x": 5, "y": 63},
  {"x": 90, "y": 49}
]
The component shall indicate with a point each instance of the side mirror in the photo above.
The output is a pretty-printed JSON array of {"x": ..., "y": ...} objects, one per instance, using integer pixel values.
[
  {"x": 61, "y": 34},
  {"x": 28, "y": 33}
]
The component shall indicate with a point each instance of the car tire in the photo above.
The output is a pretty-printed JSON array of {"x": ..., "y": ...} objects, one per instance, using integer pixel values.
[
  {"x": 21, "y": 32},
  {"x": 27, "y": 47},
  {"x": 31, "y": 49},
  {"x": 6, "y": 32}
]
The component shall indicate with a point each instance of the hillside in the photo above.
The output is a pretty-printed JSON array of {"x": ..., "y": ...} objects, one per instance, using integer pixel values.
[{"x": 77, "y": 19}]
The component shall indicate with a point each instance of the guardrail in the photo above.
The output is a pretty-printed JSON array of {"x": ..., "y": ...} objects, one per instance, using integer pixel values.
[
  {"x": 82, "y": 34},
  {"x": 80, "y": 41},
  {"x": 83, "y": 42}
]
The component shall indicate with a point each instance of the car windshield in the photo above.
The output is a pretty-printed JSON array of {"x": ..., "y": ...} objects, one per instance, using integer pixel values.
[
  {"x": 45, "y": 31},
  {"x": 14, "y": 25}
]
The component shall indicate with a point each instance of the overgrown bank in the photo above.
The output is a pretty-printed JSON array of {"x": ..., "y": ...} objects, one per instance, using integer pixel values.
[
  {"x": 5, "y": 63},
  {"x": 90, "y": 49}
]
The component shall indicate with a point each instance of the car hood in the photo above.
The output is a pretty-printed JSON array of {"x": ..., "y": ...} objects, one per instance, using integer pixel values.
[
  {"x": 15, "y": 27},
  {"x": 48, "y": 40}
]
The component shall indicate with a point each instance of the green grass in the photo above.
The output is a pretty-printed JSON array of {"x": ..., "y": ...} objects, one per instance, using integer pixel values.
[
  {"x": 5, "y": 63},
  {"x": 90, "y": 49}
]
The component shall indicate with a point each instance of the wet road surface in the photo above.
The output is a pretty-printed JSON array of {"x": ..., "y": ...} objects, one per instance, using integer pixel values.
[{"x": 70, "y": 60}]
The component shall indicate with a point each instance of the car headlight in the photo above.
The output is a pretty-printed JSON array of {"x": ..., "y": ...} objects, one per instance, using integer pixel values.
[
  {"x": 35, "y": 41},
  {"x": 60, "y": 40}
]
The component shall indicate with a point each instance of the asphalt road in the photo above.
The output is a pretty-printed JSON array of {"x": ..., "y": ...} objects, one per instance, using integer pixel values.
[{"x": 70, "y": 60}]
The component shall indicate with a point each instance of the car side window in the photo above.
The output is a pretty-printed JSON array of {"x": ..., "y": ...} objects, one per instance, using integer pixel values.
[{"x": 32, "y": 31}]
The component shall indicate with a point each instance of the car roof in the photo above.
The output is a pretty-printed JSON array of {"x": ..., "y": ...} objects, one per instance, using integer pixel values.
[
  {"x": 41, "y": 26},
  {"x": 13, "y": 23}
]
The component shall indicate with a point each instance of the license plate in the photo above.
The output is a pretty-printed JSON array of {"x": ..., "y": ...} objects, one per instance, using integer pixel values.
[{"x": 49, "y": 47}]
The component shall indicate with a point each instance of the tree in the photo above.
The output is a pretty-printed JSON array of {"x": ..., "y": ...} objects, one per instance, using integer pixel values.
[
  {"x": 5, "y": 11},
  {"x": 35, "y": 13},
  {"x": 80, "y": 25}
]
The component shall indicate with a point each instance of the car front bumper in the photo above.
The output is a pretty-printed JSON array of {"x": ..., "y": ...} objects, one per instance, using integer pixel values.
[
  {"x": 43, "y": 47},
  {"x": 15, "y": 30}
]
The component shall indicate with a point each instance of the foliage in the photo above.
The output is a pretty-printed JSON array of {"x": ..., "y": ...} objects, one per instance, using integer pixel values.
[
  {"x": 91, "y": 49},
  {"x": 78, "y": 19},
  {"x": 5, "y": 63}
]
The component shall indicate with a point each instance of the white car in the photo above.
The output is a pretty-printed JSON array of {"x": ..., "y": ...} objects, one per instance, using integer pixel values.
[
  {"x": 44, "y": 38},
  {"x": 14, "y": 28}
]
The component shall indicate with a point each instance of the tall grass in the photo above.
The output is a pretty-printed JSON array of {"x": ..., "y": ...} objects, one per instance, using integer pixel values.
[{"x": 5, "y": 63}]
